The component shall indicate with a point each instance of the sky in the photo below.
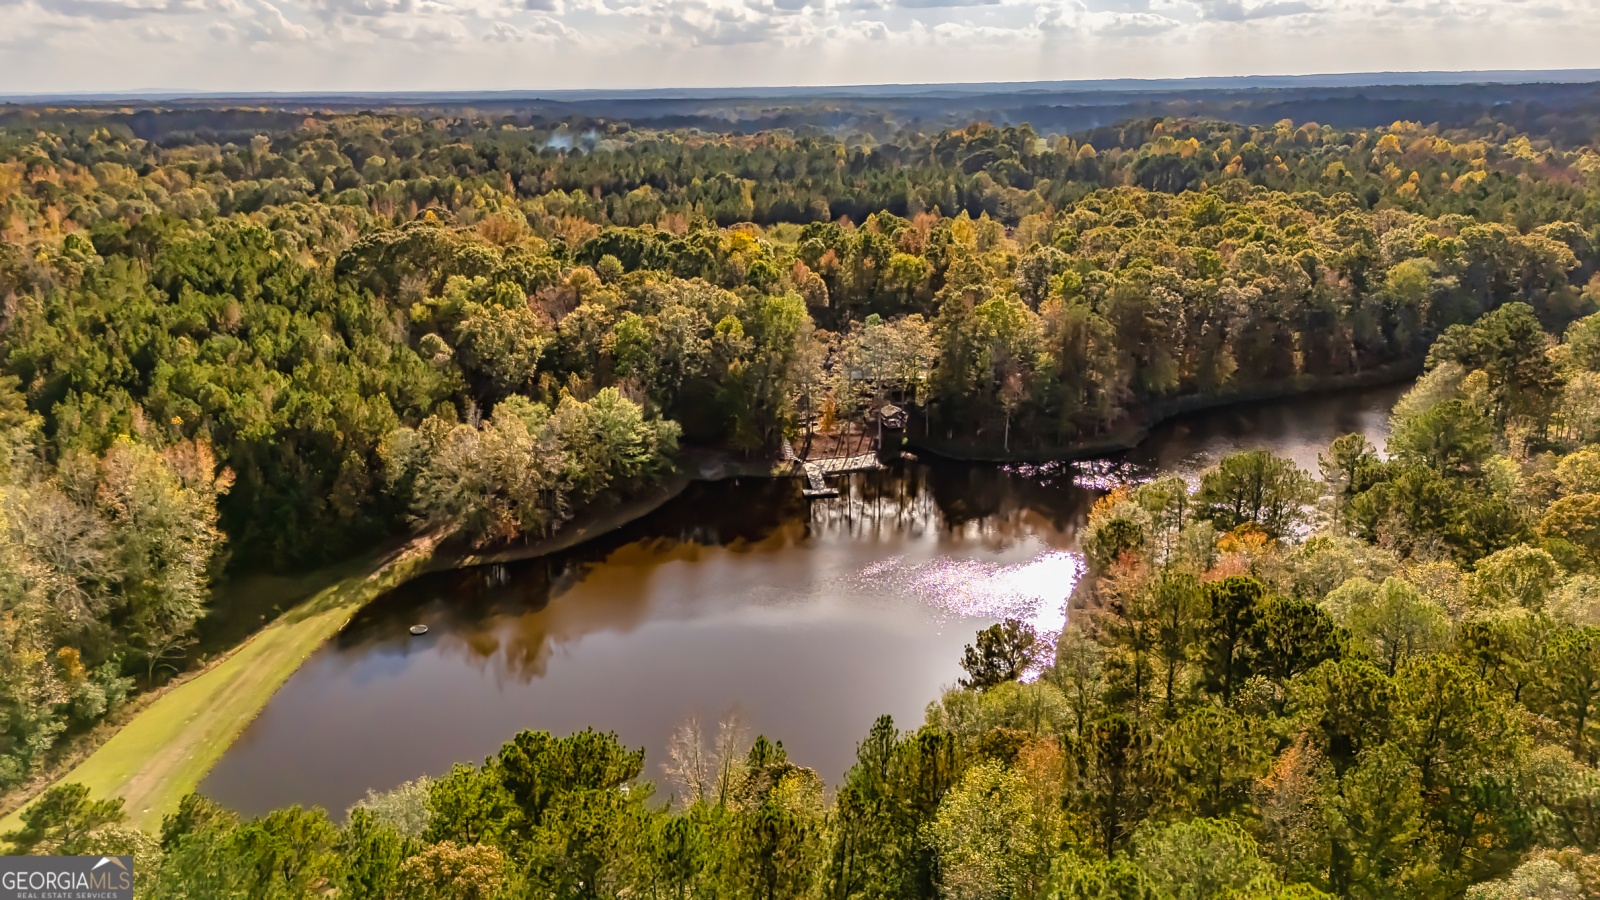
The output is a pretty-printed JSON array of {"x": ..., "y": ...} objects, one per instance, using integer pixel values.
[{"x": 64, "y": 46}]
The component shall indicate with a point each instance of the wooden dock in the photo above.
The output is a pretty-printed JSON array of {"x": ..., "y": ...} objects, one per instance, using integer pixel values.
[
  {"x": 816, "y": 470},
  {"x": 816, "y": 488}
]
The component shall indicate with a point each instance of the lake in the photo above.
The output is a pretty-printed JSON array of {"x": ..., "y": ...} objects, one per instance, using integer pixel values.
[{"x": 804, "y": 620}]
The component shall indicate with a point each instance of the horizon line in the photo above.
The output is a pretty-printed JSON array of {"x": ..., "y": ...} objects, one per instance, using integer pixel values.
[{"x": 1406, "y": 78}]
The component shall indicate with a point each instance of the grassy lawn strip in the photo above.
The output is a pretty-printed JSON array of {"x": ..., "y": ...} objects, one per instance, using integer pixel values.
[
  {"x": 167, "y": 748},
  {"x": 165, "y": 751}
]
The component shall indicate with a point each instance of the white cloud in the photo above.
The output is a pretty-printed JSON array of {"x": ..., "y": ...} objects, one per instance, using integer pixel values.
[
  {"x": 542, "y": 28},
  {"x": 1239, "y": 11},
  {"x": 942, "y": 4},
  {"x": 474, "y": 44},
  {"x": 712, "y": 23},
  {"x": 1130, "y": 24},
  {"x": 117, "y": 10},
  {"x": 359, "y": 9},
  {"x": 157, "y": 34},
  {"x": 269, "y": 25}
]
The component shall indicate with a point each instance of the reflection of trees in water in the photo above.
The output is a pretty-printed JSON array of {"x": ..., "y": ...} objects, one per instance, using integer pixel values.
[
  {"x": 511, "y": 631},
  {"x": 502, "y": 621},
  {"x": 502, "y": 617},
  {"x": 466, "y": 612},
  {"x": 981, "y": 503},
  {"x": 1296, "y": 427},
  {"x": 871, "y": 504},
  {"x": 737, "y": 512}
]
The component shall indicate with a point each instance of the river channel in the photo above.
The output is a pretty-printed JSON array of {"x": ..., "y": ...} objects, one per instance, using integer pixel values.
[{"x": 805, "y": 620}]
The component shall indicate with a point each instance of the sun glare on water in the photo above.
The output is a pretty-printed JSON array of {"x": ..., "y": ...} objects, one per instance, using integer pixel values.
[{"x": 1036, "y": 591}]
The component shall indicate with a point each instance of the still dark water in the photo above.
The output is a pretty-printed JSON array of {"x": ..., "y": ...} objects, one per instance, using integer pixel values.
[{"x": 807, "y": 621}]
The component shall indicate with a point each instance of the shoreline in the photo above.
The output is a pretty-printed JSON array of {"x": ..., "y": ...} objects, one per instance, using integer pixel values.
[
  {"x": 594, "y": 522},
  {"x": 175, "y": 735},
  {"x": 1132, "y": 430},
  {"x": 171, "y": 737}
]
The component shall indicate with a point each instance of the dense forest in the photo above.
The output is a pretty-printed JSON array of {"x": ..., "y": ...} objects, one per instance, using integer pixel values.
[
  {"x": 219, "y": 355},
  {"x": 1380, "y": 681}
]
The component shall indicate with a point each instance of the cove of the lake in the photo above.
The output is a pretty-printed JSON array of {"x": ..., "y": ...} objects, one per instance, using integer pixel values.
[{"x": 808, "y": 620}]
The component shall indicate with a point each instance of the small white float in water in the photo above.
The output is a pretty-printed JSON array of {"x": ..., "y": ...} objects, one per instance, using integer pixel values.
[{"x": 419, "y": 629}]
